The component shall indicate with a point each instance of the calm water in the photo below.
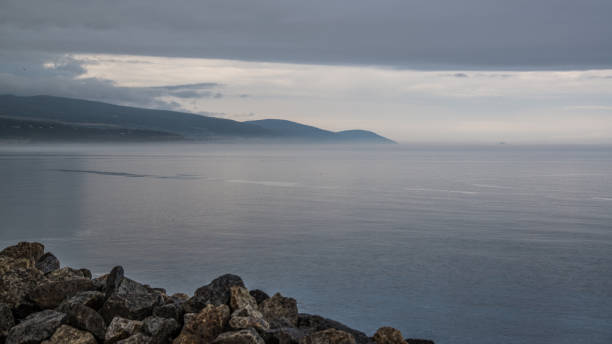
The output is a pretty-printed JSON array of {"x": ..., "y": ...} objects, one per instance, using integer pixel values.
[{"x": 462, "y": 245}]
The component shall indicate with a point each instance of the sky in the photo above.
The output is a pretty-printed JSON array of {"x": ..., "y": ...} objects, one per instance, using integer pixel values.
[{"x": 471, "y": 71}]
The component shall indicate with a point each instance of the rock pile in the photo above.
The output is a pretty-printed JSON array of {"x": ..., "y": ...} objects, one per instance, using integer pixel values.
[{"x": 43, "y": 303}]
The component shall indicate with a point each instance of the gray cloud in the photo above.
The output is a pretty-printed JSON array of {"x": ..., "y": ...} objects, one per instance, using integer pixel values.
[
  {"x": 442, "y": 34},
  {"x": 59, "y": 75}
]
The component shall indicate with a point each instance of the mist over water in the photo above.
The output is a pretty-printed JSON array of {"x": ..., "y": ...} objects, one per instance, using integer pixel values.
[{"x": 458, "y": 244}]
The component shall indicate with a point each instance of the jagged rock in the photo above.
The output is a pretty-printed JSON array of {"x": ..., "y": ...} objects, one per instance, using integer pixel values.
[
  {"x": 419, "y": 341},
  {"x": 26, "y": 250},
  {"x": 130, "y": 300},
  {"x": 314, "y": 323},
  {"x": 161, "y": 330},
  {"x": 283, "y": 335},
  {"x": 93, "y": 299},
  {"x": 121, "y": 328},
  {"x": 47, "y": 263},
  {"x": 114, "y": 279},
  {"x": 70, "y": 335},
  {"x": 6, "y": 320},
  {"x": 50, "y": 294},
  {"x": 84, "y": 318},
  {"x": 17, "y": 278},
  {"x": 388, "y": 335},
  {"x": 170, "y": 311},
  {"x": 248, "y": 317},
  {"x": 259, "y": 295},
  {"x": 329, "y": 336},
  {"x": 216, "y": 292},
  {"x": 240, "y": 298},
  {"x": 205, "y": 326},
  {"x": 65, "y": 274},
  {"x": 247, "y": 336},
  {"x": 36, "y": 327},
  {"x": 100, "y": 283},
  {"x": 138, "y": 338},
  {"x": 280, "y": 311},
  {"x": 86, "y": 273}
]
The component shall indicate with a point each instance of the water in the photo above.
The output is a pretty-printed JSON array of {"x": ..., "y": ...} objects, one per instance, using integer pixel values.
[{"x": 461, "y": 245}]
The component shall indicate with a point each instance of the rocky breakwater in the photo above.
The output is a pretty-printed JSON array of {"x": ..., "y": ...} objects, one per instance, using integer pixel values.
[{"x": 40, "y": 302}]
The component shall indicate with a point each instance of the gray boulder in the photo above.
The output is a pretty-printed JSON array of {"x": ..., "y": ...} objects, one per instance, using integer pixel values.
[
  {"x": 259, "y": 295},
  {"x": 92, "y": 299},
  {"x": 36, "y": 327},
  {"x": 170, "y": 311},
  {"x": 246, "y": 336},
  {"x": 114, "y": 279},
  {"x": 84, "y": 318},
  {"x": 66, "y": 334},
  {"x": 314, "y": 323},
  {"x": 47, "y": 263},
  {"x": 6, "y": 320},
  {"x": 216, "y": 293},
  {"x": 67, "y": 274},
  {"x": 130, "y": 300},
  {"x": 280, "y": 311},
  {"x": 121, "y": 328},
  {"x": 50, "y": 294},
  {"x": 283, "y": 335},
  {"x": 248, "y": 317},
  {"x": 161, "y": 330},
  {"x": 25, "y": 250}
]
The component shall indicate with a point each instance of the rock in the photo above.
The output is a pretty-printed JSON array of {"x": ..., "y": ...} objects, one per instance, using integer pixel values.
[
  {"x": 26, "y": 250},
  {"x": 216, "y": 292},
  {"x": 138, "y": 338},
  {"x": 86, "y": 273},
  {"x": 84, "y": 318},
  {"x": 100, "y": 283},
  {"x": 388, "y": 335},
  {"x": 92, "y": 299},
  {"x": 6, "y": 320},
  {"x": 248, "y": 317},
  {"x": 419, "y": 341},
  {"x": 283, "y": 335},
  {"x": 36, "y": 327},
  {"x": 329, "y": 336},
  {"x": 161, "y": 330},
  {"x": 70, "y": 335},
  {"x": 314, "y": 323},
  {"x": 205, "y": 326},
  {"x": 280, "y": 311},
  {"x": 114, "y": 279},
  {"x": 178, "y": 298},
  {"x": 247, "y": 336},
  {"x": 130, "y": 300},
  {"x": 121, "y": 328},
  {"x": 50, "y": 294},
  {"x": 170, "y": 311},
  {"x": 17, "y": 278},
  {"x": 259, "y": 295},
  {"x": 240, "y": 298},
  {"x": 47, "y": 263},
  {"x": 65, "y": 274}
]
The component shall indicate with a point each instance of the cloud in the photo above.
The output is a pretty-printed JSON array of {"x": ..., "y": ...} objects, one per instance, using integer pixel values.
[
  {"x": 433, "y": 34},
  {"x": 460, "y": 75}
]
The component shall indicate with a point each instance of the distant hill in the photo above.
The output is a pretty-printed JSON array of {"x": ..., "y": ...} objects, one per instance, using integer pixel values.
[{"x": 102, "y": 121}]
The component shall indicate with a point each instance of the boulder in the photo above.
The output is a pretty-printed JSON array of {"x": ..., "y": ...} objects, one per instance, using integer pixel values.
[
  {"x": 248, "y": 317},
  {"x": 137, "y": 338},
  {"x": 47, "y": 263},
  {"x": 84, "y": 318},
  {"x": 121, "y": 328},
  {"x": 161, "y": 330},
  {"x": 66, "y": 274},
  {"x": 314, "y": 323},
  {"x": 280, "y": 311},
  {"x": 70, "y": 335},
  {"x": 36, "y": 327},
  {"x": 178, "y": 298},
  {"x": 216, "y": 293},
  {"x": 205, "y": 326},
  {"x": 283, "y": 335},
  {"x": 259, "y": 295},
  {"x": 17, "y": 278},
  {"x": 93, "y": 299},
  {"x": 329, "y": 336},
  {"x": 114, "y": 279},
  {"x": 31, "y": 251},
  {"x": 246, "y": 336},
  {"x": 130, "y": 300},
  {"x": 170, "y": 311},
  {"x": 86, "y": 273},
  {"x": 51, "y": 293},
  {"x": 240, "y": 298},
  {"x": 6, "y": 320},
  {"x": 388, "y": 335}
]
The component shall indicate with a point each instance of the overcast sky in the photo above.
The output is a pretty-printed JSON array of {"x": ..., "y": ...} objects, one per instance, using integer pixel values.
[{"x": 413, "y": 70}]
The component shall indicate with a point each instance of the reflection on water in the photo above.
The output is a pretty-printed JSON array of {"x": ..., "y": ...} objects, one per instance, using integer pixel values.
[{"x": 478, "y": 245}]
